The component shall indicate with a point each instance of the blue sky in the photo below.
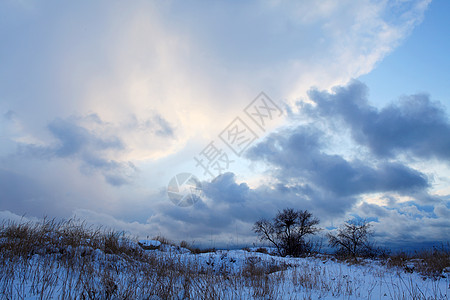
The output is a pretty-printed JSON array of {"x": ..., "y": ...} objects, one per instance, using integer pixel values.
[
  {"x": 419, "y": 64},
  {"x": 101, "y": 105}
]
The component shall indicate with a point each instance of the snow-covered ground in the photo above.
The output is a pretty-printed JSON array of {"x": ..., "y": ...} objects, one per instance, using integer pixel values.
[
  {"x": 174, "y": 273},
  {"x": 324, "y": 278}
]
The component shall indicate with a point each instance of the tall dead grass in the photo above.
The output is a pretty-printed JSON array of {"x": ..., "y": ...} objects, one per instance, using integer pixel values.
[
  {"x": 428, "y": 262},
  {"x": 71, "y": 260}
]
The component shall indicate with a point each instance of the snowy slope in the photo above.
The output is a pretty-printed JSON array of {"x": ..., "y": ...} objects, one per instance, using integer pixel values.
[{"x": 173, "y": 272}]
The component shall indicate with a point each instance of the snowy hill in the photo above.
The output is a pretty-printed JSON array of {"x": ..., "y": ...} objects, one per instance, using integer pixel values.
[{"x": 74, "y": 263}]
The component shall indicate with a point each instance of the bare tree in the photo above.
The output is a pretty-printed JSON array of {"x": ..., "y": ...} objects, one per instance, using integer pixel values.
[
  {"x": 352, "y": 238},
  {"x": 266, "y": 231},
  {"x": 288, "y": 230}
]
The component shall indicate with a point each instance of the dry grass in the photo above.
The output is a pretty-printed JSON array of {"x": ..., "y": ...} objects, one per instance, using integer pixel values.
[
  {"x": 196, "y": 250},
  {"x": 428, "y": 262},
  {"x": 70, "y": 260},
  {"x": 262, "y": 250}
]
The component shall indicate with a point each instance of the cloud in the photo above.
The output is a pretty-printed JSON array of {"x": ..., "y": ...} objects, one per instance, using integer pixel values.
[
  {"x": 164, "y": 128},
  {"x": 73, "y": 141},
  {"x": 188, "y": 62},
  {"x": 7, "y": 216},
  {"x": 414, "y": 125},
  {"x": 406, "y": 224},
  {"x": 146, "y": 85},
  {"x": 224, "y": 189},
  {"x": 299, "y": 154},
  {"x": 154, "y": 124}
]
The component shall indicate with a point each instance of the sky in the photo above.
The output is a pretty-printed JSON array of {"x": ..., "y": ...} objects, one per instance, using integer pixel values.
[{"x": 340, "y": 108}]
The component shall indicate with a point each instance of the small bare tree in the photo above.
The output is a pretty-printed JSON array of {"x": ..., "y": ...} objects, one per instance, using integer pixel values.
[
  {"x": 288, "y": 230},
  {"x": 352, "y": 238}
]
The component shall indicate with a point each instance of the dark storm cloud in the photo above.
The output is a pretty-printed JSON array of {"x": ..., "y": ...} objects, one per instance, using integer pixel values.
[
  {"x": 225, "y": 202},
  {"x": 225, "y": 189},
  {"x": 298, "y": 154},
  {"x": 323, "y": 203},
  {"x": 414, "y": 124},
  {"x": 76, "y": 142}
]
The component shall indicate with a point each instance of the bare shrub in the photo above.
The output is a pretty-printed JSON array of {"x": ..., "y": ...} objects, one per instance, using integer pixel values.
[
  {"x": 352, "y": 239},
  {"x": 288, "y": 230},
  {"x": 185, "y": 244}
]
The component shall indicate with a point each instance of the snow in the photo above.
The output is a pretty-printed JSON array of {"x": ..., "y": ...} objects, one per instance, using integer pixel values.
[
  {"x": 226, "y": 274},
  {"x": 150, "y": 243},
  {"x": 324, "y": 278}
]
